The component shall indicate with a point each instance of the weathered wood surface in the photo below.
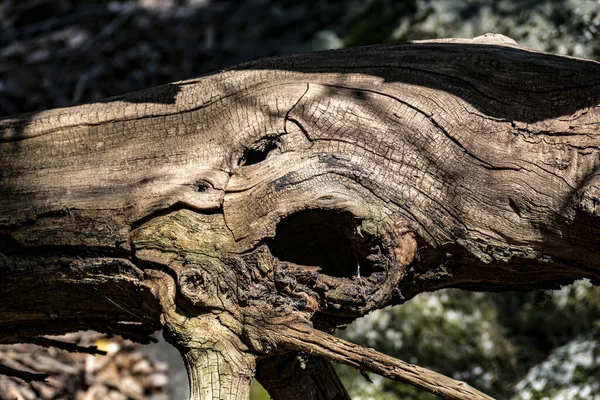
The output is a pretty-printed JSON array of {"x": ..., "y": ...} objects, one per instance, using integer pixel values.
[{"x": 301, "y": 191}]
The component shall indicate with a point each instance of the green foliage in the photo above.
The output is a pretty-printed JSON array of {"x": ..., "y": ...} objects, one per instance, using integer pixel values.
[
  {"x": 571, "y": 371},
  {"x": 568, "y": 27}
]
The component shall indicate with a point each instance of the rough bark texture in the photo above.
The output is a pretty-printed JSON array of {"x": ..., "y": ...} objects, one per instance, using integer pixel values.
[{"x": 273, "y": 201}]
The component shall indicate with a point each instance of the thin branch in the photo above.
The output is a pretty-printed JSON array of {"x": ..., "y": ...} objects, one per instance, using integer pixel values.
[
  {"x": 314, "y": 342},
  {"x": 26, "y": 376},
  {"x": 70, "y": 347}
]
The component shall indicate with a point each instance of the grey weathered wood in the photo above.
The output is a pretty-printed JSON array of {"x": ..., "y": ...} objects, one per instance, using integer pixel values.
[{"x": 459, "y": 163}]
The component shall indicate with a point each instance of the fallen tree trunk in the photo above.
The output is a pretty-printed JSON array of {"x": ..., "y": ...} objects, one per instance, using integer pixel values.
[{"x": 250, "y": 212}]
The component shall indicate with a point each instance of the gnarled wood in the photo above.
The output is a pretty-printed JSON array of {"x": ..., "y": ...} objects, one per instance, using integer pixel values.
[{"x": 300, "y": 191}]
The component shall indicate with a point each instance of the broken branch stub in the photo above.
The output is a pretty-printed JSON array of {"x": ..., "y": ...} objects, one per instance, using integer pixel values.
[{"x": 264, "y": 205}]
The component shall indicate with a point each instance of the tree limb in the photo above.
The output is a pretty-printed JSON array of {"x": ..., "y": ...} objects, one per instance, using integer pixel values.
[
  {"x": 313, "y": 342},
  {"x": 302, "y": 192}
]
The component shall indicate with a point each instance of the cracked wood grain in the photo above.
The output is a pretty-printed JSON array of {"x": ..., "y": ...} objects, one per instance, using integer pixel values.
[{"x": 300, "y": 191}]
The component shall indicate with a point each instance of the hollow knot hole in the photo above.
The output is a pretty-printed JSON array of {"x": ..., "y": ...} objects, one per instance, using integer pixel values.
[
  {"x": 258, "y": 152},
  {"x": 194, "y": 281},
  {"x": 329, "y": 240},
  {"x": 202, "y": 186}
]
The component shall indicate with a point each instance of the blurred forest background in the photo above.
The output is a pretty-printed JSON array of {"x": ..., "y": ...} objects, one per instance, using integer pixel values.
[{"x": 519, "y": 346}]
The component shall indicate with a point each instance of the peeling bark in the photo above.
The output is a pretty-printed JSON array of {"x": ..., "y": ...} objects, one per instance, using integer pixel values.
[{"x": 251, "y": 212}]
